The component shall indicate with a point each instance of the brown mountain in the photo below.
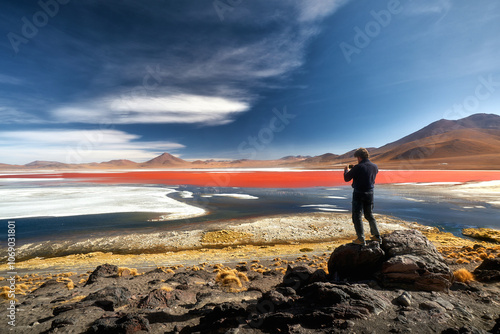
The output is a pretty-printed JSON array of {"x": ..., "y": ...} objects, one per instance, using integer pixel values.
[
  {"x": 165, "y": 160},
  {"x": 469, "y": 143},
  {"x": 46, "y": 164},
  {"x": 119, "y": 163},
  {"x": 476, "y": 121}
]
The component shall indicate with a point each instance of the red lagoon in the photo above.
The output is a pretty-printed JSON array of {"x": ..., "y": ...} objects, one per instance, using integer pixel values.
[{"x": 263, "y": 179}]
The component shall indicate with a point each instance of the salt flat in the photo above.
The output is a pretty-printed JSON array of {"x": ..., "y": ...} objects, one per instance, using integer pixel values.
[{"x": 75, "y": 200}]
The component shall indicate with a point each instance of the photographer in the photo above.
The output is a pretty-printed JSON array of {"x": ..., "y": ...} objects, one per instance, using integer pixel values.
[{"x": 363, "y": 175}]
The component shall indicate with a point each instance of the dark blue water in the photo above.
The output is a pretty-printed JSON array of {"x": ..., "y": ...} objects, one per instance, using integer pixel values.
[{"x": 420, "y": 206}]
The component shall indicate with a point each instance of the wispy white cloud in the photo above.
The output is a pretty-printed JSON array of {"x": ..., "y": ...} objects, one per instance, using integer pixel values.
[
  {"x": 182, "y": 108},
  {"x": 10, "y": 115},
  {"x": 79, "y": 146},
  {"x": 313, "y": 10},
  {"x": 436, "y": 7}
]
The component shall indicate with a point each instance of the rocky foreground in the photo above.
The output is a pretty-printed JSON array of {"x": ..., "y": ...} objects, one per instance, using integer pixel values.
[{"x": 402, "y": 285}]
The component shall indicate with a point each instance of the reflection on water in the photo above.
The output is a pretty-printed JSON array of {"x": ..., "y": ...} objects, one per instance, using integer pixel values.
[{"x": 449, "y": 212}]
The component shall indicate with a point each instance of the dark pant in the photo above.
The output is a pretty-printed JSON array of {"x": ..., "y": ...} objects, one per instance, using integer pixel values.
[{"x": 363, "y": 201}]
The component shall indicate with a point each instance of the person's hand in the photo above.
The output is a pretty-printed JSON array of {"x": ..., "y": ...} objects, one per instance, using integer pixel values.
[{"x": 346, "y": 169}]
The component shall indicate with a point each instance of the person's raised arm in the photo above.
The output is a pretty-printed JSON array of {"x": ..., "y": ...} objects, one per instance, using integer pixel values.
[{"x": 348, "y": 174}]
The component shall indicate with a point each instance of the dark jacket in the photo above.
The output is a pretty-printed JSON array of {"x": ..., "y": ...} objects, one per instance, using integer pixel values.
[{"x": 363, "y": 175}]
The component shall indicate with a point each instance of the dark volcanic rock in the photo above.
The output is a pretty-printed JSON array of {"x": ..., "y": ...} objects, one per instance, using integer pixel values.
[
  {"x": 127, "y": 324},
  {"x": 410, "y": 242},
  {"x": 296, "y": 277},
  {"x": 223, "y": 317},
  {"x": 488, "y": 271},
  {"x": 324, "y": 293},
  {"x": 109, "y": 298},
  {"x": 105, "y": 270},
  {"x": 416, "y": 273},
  {"x": 413, "y": 263},
  {"x": 356, "y": 262},
  {"x": 406, "y": 259},
  {"x": 162, "y": 298}
]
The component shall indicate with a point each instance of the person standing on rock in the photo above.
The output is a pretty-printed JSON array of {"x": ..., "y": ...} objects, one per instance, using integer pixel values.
[{"x": 363, "y": 175}]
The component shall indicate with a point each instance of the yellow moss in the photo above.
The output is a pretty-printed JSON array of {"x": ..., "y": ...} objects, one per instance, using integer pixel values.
[
  {"x": 255, "y": 261},
  {"x": 462, "y": 261},
  {"x": 463, "y": 275},
  {"x": 82, "y": 281},
  {"x": 69, "y": 283},
  {"x": 243, "y": 277},
  {"x": 124, "y": 271},
  {"x": 166, "y": 288},
  {"x": 231, "y": 280},
  {"x": 170, "y": 271},
  {"x": 483, "y": 255},
  {"x": 242, "y": 263}
]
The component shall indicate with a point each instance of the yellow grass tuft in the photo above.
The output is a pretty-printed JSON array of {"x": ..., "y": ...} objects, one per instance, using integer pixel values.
[
  {"x": 463, "y": 261},
  {"x": 463, "y": 275},
  {"x": 82, "y": 281},
  {"x": 169, "y": 271},
  {"x": 69, "y": 283},
  {"x": 166, "y": 288},
  {"x": 124, "y": 272},
  {"x": 231, "y": 280}
]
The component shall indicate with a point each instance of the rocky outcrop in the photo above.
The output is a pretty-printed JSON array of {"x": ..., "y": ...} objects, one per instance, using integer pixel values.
[
  {"x": 355, "y": 262},
  {"x": 405, "y": 259},
  {"x": 488, "y": 271},
  {"x": 124, "y": 324},
  {"x": 102, "y": 271},
  {"x": 413, "y": 263}
]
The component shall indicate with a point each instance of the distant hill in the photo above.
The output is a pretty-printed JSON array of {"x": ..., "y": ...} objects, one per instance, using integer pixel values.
[
  {"x": 469, "y": 143},
  {"x": 165, "y": 160},
  {"x": 118, "y": 163},
  {"x": 46, "y": 164}
]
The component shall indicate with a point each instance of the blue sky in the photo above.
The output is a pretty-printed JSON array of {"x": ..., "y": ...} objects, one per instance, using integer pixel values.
[{"x": 86, "y": 81}]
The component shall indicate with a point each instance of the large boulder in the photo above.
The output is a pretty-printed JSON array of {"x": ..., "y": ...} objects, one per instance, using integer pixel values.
[
  {"x": 413, "y": 263},
  {"x": 405, "y": 259},
  {"x": 355, "y": 262}
]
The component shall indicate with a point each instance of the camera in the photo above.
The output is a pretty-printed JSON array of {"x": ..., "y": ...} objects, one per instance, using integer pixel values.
[{"x": 350, "y": 166}]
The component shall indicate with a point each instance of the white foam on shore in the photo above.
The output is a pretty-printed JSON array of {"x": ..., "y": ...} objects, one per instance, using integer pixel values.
[
  {"x": 238, "y": 196},
  {"x": 186, "y": 194},
  {"x": 332, "y": 210},
  {"x": 84, "y": 200},
  {"x": 318, "y": 205},
  {"x": 413, "y": 199},
  {"x": 336, "y": 197}
]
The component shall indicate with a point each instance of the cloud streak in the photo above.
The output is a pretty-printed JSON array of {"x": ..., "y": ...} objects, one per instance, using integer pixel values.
[
  {"x": 79, "y": 146},
  {"x": 180, "y": 108}
]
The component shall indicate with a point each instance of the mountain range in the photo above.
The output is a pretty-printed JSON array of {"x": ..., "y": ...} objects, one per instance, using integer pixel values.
[{"x": 472, "y": 142}]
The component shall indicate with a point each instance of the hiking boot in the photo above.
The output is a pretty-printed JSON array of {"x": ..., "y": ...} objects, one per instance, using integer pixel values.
[
  {"x": 359, "y": 241},
  {"x": 376, "y": 238}
]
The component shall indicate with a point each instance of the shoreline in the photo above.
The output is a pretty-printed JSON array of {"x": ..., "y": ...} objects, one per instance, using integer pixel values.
[{"x": 229, "y": 242}]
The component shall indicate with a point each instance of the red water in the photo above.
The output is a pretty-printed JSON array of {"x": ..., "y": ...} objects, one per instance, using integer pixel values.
[{"x": 263, "y": 179}]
